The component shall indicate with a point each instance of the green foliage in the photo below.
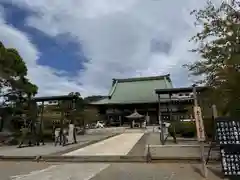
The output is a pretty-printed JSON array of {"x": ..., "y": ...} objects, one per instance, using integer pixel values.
[
  {"x": 209, "y": 126},
  {"x": 15, "y": 87},
  {"x": 48, "y": 135},
  {"x": 219, "y": 48},
  {"x": 188, "y": 129},
  {"x": 13, "y": 72},
  {"x": 91, "y": 115},
  {"x": 82, "y": 115},
  {"x": 184, "y": 129}
]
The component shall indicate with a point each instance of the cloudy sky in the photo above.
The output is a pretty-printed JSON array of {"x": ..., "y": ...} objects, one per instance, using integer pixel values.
[{"x": 80, "y": 45}]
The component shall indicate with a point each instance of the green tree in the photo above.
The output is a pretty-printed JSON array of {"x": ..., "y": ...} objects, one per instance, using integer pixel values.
[
  {"x": 219, "y": 48},
  {"x": 77, "y": 114},
  {"x": 14, "y": 85},
  {"x": 13, "y": 72},
  {"x": 84, "y": 113}
]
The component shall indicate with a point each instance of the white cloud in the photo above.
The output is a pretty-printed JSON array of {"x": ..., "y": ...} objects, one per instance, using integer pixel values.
[
  {"x": 116, "y": 36},
  {"x": 44, "y": 77}
]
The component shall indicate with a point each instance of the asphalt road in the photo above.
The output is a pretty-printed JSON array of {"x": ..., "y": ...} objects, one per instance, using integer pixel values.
[{"x": 103, "y": 171}]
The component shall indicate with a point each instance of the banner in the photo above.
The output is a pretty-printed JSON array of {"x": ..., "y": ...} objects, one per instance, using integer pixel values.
[{"x": 199, "y": 123}]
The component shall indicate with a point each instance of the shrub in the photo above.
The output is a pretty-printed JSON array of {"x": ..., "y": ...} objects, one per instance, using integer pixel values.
[
  {"x": 188, "y": 129},
  {"x": 209, "y": 127},
  {"x": 48, "y": 135},
  {"x": 184, "y": 129}
]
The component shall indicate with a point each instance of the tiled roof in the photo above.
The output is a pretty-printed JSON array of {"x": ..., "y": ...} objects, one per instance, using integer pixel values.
[{"x": 136, "y": 90}]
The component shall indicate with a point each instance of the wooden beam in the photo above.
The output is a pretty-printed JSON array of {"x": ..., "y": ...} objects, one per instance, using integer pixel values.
[{"x": 200, "y": 124}]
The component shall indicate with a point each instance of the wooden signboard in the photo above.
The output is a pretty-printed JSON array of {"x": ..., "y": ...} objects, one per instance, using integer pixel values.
[
  {"x": 199, "y": 123},
  {"x": 228, "y": 137}
]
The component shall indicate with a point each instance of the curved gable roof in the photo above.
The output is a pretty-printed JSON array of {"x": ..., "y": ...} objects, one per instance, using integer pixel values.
[{"x": 136, "y": 90}]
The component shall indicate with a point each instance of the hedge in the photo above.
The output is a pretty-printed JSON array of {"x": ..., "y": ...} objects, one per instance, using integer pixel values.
[{"x": 188, "y": 129}]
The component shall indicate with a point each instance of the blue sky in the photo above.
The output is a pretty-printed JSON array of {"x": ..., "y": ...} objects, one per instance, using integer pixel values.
[
  {"x": 80, "y": 45},
  {"x": 55, "y": 51}
]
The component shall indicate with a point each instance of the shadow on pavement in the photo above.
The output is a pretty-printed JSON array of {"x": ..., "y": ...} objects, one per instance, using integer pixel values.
[
  {"x": 216, "y": 172},
  {"x": 197, "y": 170}
]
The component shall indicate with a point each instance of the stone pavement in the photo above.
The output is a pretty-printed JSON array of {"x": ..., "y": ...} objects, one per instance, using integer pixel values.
[
  {"x": 49, "y": 148},
  {"x": 103, "y": 171},
  {"x": 139, "y": 148},
  {"x": 120, "y": 145},
  {"x": 154, "y": 138},
  {"x": 186, "y": 148},
  {"x": 156, "y": 171},
  {"x": 117, "y": 145}
]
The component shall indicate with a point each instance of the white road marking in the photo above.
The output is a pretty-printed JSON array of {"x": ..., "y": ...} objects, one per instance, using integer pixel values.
[
  {"x": 117, "y": 145},
  {"x": 33, "y": 173},
  {"x": 65, "y": 172}
]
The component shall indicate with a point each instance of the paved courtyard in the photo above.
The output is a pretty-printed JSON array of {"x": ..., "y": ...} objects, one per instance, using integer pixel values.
[
  {"x": 118, "y": 145},
  {"x": 103, "y": 171},
  {"x": 183, "y": 149},
  {"x": 49, "y": 148}
]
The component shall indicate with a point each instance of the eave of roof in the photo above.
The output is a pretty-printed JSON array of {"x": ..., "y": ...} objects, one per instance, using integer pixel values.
[
  {"x": 55, "y": 98},
  {"x": 150, "y": 78},
  {"x": 180, "y": 90},
  {"x": 162, "y": 100}
]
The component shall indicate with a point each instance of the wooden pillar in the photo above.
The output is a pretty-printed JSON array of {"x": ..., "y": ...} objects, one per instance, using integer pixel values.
[
  {"x": 215, "y": 115},
  {"x": 61, "y": 122},
  {"x": 73, "y": 116},
  {"x": 41, "y": 133},
  {"x": 41, "y": 117},
  {"x": 171, "y": 119},
  {"x": 155, "y": 119},
  {"x": 160, "y": 121},
  {"x": 147, "y": 119},
  {"x": 170, "y": 106},
  {"x": 204, "y": 167},
  {"x": 120, "y": 120}
]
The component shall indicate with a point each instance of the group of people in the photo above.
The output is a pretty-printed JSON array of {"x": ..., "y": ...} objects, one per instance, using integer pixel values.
[
  {"x": 68, "y": 135},
  {"x": 32, "y": 134}
]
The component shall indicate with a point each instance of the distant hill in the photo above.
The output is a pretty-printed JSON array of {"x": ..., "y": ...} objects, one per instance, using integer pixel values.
[{"x": 93, "y": 98}]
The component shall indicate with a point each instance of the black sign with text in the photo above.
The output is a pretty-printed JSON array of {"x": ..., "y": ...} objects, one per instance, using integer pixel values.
[{"x": 228, "y": 137}]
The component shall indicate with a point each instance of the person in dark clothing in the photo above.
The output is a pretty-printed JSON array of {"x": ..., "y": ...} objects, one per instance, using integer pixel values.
[
  {"x": 172, "y": 133},
  {"x": 39, "y": 134}
]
